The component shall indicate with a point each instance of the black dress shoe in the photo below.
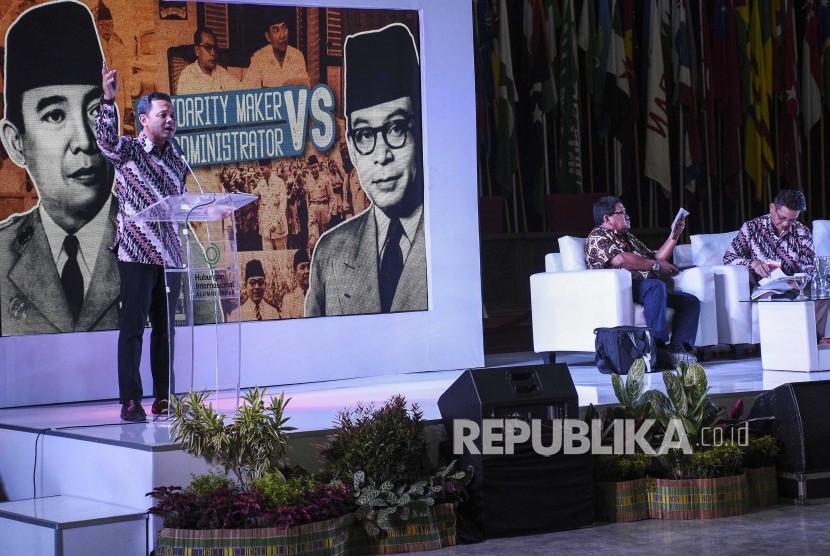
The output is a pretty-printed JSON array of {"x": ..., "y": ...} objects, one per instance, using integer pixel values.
[
  {"x": 160, "y": 407},
  {"x": 133, "y": 412}
]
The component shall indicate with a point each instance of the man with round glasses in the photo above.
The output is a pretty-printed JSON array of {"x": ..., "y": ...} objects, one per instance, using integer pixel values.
[
  {"x": 778, "y": 240},
  {"x": 376, "y": 261},
  {"x": 205, "y": 75}
]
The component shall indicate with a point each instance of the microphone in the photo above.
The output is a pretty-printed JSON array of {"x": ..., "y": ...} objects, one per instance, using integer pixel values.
[{"x": 180, "y": 152}]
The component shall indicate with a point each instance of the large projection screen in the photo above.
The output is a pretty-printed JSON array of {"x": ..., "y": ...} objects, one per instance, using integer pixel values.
[{"x": 80, "y": 366}]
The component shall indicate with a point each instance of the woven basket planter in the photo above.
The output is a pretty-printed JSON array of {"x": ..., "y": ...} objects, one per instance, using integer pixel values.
[
  {"x": 762, "y": 485},
  {"x": 323, "y": 538},
  {"x": 430, "y": 532},
  {"x": 621, "y": 502},
  {"x": 698, "y": 498}
]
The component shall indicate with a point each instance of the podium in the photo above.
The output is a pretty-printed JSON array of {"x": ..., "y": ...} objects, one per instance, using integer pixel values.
[{"x": 206, "y": 347}]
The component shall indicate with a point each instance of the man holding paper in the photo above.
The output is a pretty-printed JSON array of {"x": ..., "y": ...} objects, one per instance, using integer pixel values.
[
  {"x": 778, "y": 241},
  {"x": 612, "y": 245}
]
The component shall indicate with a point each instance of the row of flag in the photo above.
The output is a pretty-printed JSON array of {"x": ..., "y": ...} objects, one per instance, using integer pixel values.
[{"x": 689, "y": 90}]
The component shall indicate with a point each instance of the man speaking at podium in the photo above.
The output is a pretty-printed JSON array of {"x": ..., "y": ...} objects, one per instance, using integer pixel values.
[{"x": 147, "y": 169}]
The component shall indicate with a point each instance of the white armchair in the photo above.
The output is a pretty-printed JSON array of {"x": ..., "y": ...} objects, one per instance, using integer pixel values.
[
  {"x": 821, "y": 237},
  {"x": 568, "y": 301},
  {"x": 737, "y": 320}
]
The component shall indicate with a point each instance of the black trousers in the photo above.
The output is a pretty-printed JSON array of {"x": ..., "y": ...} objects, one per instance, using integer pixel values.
[{"x": 144, "y": 294}]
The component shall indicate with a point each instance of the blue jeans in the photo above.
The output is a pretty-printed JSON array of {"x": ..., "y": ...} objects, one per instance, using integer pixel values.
[
  {"x": 143, "y": 295},
  {"x": 655, "y": 298}
]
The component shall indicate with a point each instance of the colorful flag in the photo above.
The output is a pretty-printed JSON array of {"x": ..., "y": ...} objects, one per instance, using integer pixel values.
[
  {"x": 824, "y": 15},
  {"x": 790, "y": 134},
  {"x": 707, "y": 96},
  {"x": 506, "y": 161},
  {"x": 602, "y": 45},
  {"x": 540, "y": 102},
  {"x": 484, "y": 75},
  {"x": 569, "y": 159},
  {"x": 627, "y": 10},
  {"x": 810, "y": 69},
  {"x": 553, "y": 19},
  {"x": 538, "y": 63},
  {"x": 684, "y": 71},
  {"x": 657, "y": 165},
  {"x": 742, "y": 40},
  {"x": 725, "y": 65},
  {"x": 618, "y": 104},
  {"x": 758, "y": 156}
]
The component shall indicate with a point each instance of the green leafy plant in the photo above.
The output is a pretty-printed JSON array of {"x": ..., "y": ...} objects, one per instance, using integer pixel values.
[
  {"x": 280, "y": 491},
  {"x": 386, "y": 443},
  {"x": 208, "y": 483},
  {"x": 252, "y": 444},
  {"x": 381, "y": 452},
  {"x": 375, "y": 505},
  {"x": 687, "y": 403},
  {"x": 721, "y": 460},
  {"x": 761, "y": 451},
  {"x": 621, "y": 467},
  {"x": 634, "y": 403}
]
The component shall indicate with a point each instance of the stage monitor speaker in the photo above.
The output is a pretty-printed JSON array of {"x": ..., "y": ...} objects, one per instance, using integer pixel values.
[
  {"x": 523, "y": 492},
  {"x": 800, "y": 424}
]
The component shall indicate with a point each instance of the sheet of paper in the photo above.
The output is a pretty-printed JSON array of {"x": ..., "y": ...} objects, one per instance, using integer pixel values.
[
  {"x": 681, "y": 213},
  {"x": 776, "y": 282}
]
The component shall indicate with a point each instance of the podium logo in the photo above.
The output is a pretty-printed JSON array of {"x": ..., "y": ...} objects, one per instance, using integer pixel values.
[
  {"x": 212, "y": 255},
  {"x": 571, "y": 436}
]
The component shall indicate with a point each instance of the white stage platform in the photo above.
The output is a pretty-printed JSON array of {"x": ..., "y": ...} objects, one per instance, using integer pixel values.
[{"x": 83, "y": 451}]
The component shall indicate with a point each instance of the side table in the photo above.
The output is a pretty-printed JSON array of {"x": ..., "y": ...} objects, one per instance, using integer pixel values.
[{"x": 788, "y": 336}]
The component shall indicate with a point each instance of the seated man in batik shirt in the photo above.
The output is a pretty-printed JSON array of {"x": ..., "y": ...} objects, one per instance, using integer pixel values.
[{"x": 612, "y": 245}]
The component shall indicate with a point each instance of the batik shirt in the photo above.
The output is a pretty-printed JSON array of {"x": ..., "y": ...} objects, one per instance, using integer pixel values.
[
  {"x": 604, "y": 244},
  {"x": 144, "y": 175},
  {"x": 757, "y": 240}
]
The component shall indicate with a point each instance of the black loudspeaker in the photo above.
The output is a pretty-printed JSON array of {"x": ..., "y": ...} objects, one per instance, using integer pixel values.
[
  {"x": 523, "y": 492},
  {"x": 800, "y": 424}
]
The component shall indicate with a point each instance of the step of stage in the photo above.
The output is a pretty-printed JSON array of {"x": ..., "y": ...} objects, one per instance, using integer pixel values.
[
  {"x": 71, "y": 526},
  {"x": 113, "y": 465}
]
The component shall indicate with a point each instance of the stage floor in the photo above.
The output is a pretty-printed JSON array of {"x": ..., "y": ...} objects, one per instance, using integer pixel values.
[{"x": 314, "y": 406}]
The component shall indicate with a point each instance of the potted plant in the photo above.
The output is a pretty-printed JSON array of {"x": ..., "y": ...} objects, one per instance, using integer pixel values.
[
  {"x": 620, "y": 487},
  {"x": 403, "y": 503},
  {"x": 252, "y": 506},
  {"x": 709, "y": 482},
  {"x": 760, "y": 455},
  {"x": 620, "y": 479}
]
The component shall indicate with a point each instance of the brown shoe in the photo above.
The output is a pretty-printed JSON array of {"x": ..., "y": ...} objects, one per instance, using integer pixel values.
[
  {"x": 160, "y": 407},
  {"x": 133, "y": 412}
]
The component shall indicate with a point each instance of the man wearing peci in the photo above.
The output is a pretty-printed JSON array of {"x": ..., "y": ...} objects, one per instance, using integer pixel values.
[
  {"x": 277, "y": 64},
  {"x": 55, "y": 273},
  {"x": 205, "y": 75},
  {"x": 376, "y": 262},
  {"x": 255, "y": 307},
  {"x": 294, "y": 301},
  {"x": 147, "y": 170}
]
